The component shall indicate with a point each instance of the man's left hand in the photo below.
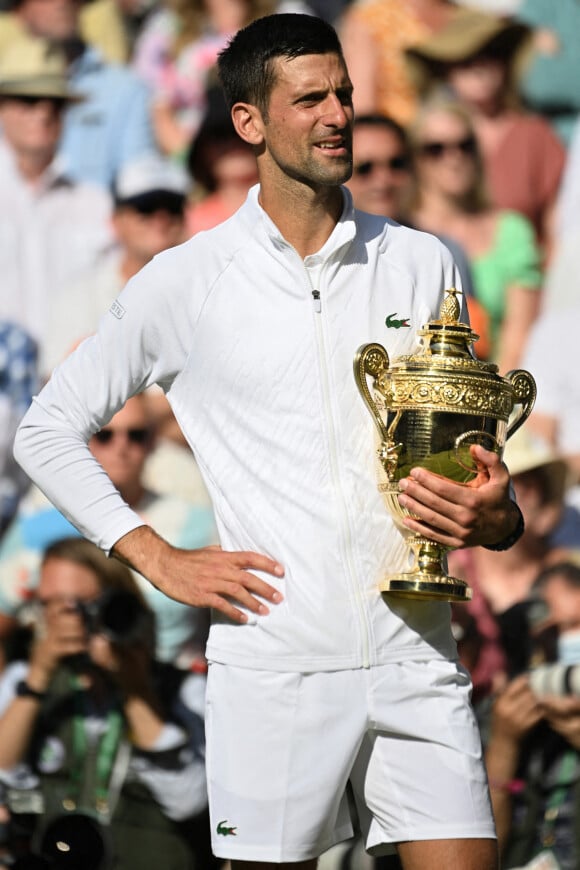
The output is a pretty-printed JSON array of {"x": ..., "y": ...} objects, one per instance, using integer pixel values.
[{"x": 461, "y": 515}]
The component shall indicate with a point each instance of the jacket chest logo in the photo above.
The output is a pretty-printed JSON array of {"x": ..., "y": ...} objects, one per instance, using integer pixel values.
[{"x": 394, "y": 322}]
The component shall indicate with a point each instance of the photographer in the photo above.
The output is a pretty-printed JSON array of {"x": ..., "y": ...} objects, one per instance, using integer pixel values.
[
  {"x": 93, "y": 733},
  {"x": 533, "y": 754}
]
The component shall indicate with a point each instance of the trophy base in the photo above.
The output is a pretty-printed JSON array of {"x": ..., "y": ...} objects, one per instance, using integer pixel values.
[{"x": 425, "y": 587}]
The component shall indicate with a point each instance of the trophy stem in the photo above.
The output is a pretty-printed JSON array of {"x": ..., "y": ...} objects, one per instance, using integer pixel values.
[{"x": 427, "y": 579}]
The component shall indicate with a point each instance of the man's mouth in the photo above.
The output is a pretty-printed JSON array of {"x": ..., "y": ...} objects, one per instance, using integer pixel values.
[{"x": 335, "y": 145}]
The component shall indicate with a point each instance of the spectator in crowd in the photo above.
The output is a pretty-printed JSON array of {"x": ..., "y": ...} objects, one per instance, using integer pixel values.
[
  {"x": 121, "y": 448},
  {"x": 449, "y": 197},
  {"x": 148, "y": 216},
  {"x": 501, "y": 582},
  {"x": 548, "y": 83},
  {"x": 176, "y": 55},
  {"x": 112, "y": 124},
  {"x": 550, "y": 356},
  {"x": 533, "y": 752},
  {"x": 51, "y": 227},
  {"x": 375, "y": 34},
  {"x": 381, "y": 178},
  {"x": 222, "y": 165},
  {"x": 18, "y": 384},
  {"x": 476, "y": 57},
  {"x": 112, "y": 26},
  {"x": 567, "y": 221},
  {"x": 94, "y": 727},
  {"x": 381, "y": 184}
]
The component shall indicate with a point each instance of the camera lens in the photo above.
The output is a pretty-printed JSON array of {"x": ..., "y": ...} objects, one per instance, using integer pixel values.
[
  {"x": 75, "y": 842},
  {"x": 555, "y": 679},
  {"x": 120, "y": 616}
]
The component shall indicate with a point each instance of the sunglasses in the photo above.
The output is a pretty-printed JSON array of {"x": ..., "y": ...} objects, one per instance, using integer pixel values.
[
  {"x": 396, "y": 164},
  {"x": 31, "y": 101},
  {"x": 134, "y": 436},
  {"x": 148, "y": 204},
  {"x": 467, "y": 146}
]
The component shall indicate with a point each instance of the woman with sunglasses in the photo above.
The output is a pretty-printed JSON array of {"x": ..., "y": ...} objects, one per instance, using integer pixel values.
[
  {"x": 477, "y": 59},
  {"x": 448, "y": 197}
]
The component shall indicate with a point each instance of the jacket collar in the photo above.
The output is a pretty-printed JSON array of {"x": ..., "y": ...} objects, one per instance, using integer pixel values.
[{"x": 343, "y": 234}]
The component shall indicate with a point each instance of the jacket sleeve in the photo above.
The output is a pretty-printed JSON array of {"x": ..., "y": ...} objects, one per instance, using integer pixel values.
[{"x": 142, "y": 340}]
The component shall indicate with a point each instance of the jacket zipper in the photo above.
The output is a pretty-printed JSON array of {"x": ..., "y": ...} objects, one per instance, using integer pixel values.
[{"x": 334, "y": 469}]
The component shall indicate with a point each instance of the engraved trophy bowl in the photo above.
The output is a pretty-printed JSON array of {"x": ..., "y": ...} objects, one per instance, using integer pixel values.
[{"x": 429, "y": 408}]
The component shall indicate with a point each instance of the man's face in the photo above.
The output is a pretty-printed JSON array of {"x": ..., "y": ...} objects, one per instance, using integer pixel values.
[
  {"x": 479, "y": 81},
  {"x": 51, "y": 19},
  {"x": 64, "y": 581},
  {"x": 308, "y": 129},
  {"x": 122, "y": 446},
  {"x": 144, "y": 235},
  {"x": 62, "y": 585},
  {"x": 381, "y": 175},
  {"x": 563, "y": 602},
  {"x": 32, "y": 126}
]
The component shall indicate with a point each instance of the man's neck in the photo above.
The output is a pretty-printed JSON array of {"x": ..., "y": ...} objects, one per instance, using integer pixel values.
[{"x": 306, "y": 218}]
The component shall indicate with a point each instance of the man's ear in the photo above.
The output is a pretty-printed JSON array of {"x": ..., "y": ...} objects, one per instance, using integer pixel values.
[{"x": 248, "y": 122}]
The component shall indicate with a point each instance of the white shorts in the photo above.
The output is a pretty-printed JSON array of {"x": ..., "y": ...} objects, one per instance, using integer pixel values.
[{"x": 281, "y": 748}]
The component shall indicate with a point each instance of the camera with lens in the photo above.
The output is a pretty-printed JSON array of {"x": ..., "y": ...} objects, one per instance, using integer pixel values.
[
  {"x": 555, "y": 679},
  {"x": 76, "y": 841},
  {"x": 30, "y": 840},
  {"x": 547, "y": 675},
  {"x": 117, "y": 614},
  {"x": 71, "y": 841}
]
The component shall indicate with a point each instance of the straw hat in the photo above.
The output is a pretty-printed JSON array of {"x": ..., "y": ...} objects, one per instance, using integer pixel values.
[
  {"x": 32, "y": 67},
  {"x": 468, "y": 33},
  {"x": 525, "y": 452}
]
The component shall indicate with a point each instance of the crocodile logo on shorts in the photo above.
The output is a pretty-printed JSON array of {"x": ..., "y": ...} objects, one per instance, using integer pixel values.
[
  {"x": 392, "y": 322},
  {"x": 226, "y": 831}
]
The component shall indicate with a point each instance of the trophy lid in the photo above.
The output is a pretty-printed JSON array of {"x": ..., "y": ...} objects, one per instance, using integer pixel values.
[
  {"x": 445, "y": 342},
  {"x": 448, "y": 336}
]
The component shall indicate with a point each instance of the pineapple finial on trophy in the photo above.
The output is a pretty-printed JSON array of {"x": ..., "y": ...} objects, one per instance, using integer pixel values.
[{"x": 450, "y": 308}]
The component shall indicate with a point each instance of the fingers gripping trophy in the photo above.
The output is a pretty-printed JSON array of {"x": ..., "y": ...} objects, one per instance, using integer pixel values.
[{"x": 429, "y": 408}]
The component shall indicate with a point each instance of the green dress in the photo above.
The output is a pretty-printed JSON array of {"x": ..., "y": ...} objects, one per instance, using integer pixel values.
[{"x": 514, "y": 259}]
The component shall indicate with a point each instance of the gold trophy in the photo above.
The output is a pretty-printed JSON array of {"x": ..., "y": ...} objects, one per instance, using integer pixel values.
[{"x": 429, "y": 408}]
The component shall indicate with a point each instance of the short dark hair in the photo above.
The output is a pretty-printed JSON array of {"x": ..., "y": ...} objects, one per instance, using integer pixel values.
[
  {"x": 567, "y": 571},
  {"x": 386, "y": 123},
  {"x": 245, "y": 67}
]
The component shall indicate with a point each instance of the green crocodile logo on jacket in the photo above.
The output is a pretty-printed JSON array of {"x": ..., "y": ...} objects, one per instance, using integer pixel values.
[
  {"x": 392, "y": 323},
  {"x": 226, "y": 831}
]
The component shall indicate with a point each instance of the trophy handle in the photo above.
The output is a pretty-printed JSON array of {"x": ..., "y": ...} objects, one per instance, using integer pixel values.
[
  {"x": 525, "y": 392},
  {"x": 373, "y": 360},
  {"x": 463, "y": 443}
]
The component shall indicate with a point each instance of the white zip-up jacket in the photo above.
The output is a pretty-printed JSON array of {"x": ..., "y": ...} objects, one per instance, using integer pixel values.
[{"x": 254, "y": 347}]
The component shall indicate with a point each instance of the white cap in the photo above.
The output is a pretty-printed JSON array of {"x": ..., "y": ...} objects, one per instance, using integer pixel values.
[{"x": 151, "y": 173}]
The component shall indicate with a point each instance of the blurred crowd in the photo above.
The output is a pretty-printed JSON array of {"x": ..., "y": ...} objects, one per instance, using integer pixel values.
[{"x": 115, "y": 144}]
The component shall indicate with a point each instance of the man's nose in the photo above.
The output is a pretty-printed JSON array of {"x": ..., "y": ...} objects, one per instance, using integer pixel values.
[{"x": 337, "y": 113}]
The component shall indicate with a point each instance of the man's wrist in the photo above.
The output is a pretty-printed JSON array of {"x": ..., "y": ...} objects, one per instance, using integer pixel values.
[{"x": 512, "y": 537}]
